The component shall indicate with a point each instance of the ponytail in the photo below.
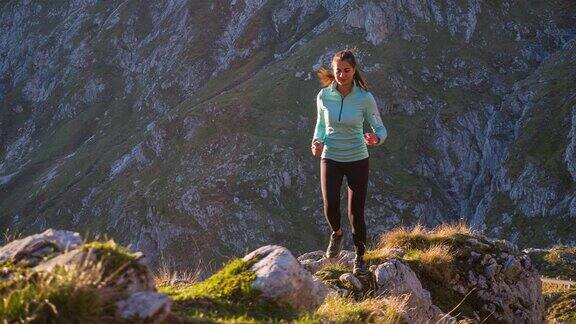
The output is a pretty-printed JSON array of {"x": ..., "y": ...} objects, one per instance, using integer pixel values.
[
  {"x": 326, "y": 77},
  {"x": 359, "y": 79}
]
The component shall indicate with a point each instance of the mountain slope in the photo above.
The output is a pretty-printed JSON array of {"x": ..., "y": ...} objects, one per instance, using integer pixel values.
[{"x": 184, "y": 128}]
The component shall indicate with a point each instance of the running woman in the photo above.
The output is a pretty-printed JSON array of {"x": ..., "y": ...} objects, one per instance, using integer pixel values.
[{"x": 343, "y": 105}]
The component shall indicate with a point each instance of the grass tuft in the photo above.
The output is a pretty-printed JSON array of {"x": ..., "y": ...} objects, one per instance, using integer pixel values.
[
  {"x": 9, "y": 236},
  {"x": 379, "y": 255},
  {"x": 164, "y": 276},
  {"x": 113, "y": 257},
  {"x": 370, "y": 310},
  {"x": 419, "y": 237},
  {"x": 70, "y": 294},
  {"x": 437, "y": 254}
]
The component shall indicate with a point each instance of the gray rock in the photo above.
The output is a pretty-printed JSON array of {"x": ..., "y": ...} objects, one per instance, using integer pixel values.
[
  {"x": 346, "y": 257},
  {"x": 280, "y": 277},
  {"x": 482, "y": 282},
  {"x": 32, "y": 249},
  {"x": 315, "y": 255},
  {"x": 492, "y": 269},
  {"x": 472, "y": 278},
  {"x": 512, "y": 268},
  {"x": 506, "y": 246},
  {"x": 478, "y": 244},
  {"x": 394, "y": 279},
  {"x": 487, "y": 259},
  {"x": 526, "y": 262},
  {"x": 313, "y": 266},
  {"x": 148, "y": 306},
  {"x": 351, "y": 280}
]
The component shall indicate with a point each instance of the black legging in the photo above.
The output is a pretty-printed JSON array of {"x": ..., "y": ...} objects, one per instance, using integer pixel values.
[{"x": 331, "y": 175}]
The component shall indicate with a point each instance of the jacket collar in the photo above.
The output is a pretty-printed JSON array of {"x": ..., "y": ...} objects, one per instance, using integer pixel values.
[{"x": 334, "y": 84}]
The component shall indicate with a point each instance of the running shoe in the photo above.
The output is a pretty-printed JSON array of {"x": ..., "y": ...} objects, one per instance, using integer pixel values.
[
  {"x": 335, "y": 245},
  {"x": 360, "y": 267}
]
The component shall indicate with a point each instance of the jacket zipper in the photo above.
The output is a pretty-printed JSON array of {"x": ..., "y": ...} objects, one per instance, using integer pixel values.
[{"x": 341, "y": 104}]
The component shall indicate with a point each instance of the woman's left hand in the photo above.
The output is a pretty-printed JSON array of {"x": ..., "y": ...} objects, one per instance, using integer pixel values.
[{"x": 371, "y": 139}]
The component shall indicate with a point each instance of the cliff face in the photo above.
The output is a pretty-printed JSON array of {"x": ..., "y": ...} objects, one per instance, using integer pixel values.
[{"x": 183, "y": 128}]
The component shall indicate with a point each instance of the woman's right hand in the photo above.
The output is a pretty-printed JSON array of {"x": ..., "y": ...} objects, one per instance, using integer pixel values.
[{"x": 317, "y": 147}]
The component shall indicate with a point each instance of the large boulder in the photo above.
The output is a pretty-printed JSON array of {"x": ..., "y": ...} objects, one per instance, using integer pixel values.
[
  {"x": 396, "y": 279},
  {"x": 280, "y": 277}
]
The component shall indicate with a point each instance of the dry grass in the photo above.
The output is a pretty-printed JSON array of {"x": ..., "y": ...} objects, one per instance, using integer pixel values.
[
  {"x": 166, "y": 276},
  {"x": 371, "y": 310},
  {"x": 374, "y": 256},
  {"x": 335, "y": 265},
  {"x": 437, "y": 254},
  {"x": 420, "y": 237},
  {"x": 9, "y": 236},
  {"x": 552, "y": 288}
]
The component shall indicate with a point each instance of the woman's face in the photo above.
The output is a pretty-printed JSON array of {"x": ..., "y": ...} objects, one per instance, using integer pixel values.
[{"x": 343, "y": 72}]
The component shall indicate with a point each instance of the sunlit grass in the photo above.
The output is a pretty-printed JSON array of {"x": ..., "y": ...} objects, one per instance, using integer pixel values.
[
  {"x": 68, "y": 294},
  {"x": 370, "y": 310}
]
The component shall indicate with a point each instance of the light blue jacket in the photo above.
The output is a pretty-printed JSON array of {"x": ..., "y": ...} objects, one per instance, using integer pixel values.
[{"x": 340, "y": 120}]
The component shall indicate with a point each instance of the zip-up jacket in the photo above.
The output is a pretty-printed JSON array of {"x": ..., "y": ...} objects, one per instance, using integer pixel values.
[{"x": 340, "y": 121}]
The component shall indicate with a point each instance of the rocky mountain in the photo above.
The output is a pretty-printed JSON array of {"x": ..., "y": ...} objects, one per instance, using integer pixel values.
[{"x": 183, "y": 127}]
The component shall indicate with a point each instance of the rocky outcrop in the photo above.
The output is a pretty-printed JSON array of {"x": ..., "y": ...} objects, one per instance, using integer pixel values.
[
  {"x": 506, "y": 283},
  {"x": 122, "y": 272},
  {"x": 385, "y": 18},
  {"x": 280, "y": 277},
  {"x": 493, "y": 276}
]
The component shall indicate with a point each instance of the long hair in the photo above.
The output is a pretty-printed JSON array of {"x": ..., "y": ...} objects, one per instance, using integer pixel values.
[{"x": 327, "y": 77}]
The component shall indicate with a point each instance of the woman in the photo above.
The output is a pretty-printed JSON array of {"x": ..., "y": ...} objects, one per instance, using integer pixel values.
[{"x": 343, "y": 105}]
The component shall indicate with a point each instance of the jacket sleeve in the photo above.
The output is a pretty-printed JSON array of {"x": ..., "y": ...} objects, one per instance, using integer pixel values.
[
  {"x": 320, "y": 130},
  {"x": 372, "y": 115}
]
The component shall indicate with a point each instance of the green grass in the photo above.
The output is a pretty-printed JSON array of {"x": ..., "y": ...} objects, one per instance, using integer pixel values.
[{"x": 228, "y": 295}]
